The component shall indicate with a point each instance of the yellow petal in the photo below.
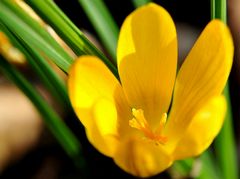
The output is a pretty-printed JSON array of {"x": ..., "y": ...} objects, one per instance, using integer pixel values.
[
  {"x": 142, "y": 157},
  {"x": 202, "y": 76},
  {"x": 92, "y": 88},
  {"x": 204, "y": 127},
  {"x": 147, "y": 58}
]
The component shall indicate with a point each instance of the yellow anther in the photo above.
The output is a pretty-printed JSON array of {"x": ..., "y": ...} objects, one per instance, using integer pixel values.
[
  {"x": 139, "y": 122},
  {"x": 139, "y": 118},
  {"x": 164, "y": 118},
  {"x": 161, "y": 124}
]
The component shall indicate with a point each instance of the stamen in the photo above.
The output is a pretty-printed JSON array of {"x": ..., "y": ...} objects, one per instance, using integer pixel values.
[
  {"x": 134, "y": 124},
  {"x": 162, "y": 123},
  {"x": 139, "y": 117},
  {"x": 139, "y": 122}
]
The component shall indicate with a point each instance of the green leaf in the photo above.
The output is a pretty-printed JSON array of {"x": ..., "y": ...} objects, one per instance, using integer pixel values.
[
  {"x": 209, "y": 167},
  {"x": 138, "y": 3},
  {"x": 225, "y": 143},
  {"x": 35, "y": 26},
  {"x": 33, "y": 38},
  {"x": 42, "y": 69},
  {"x": 48, "y": 11},
  {"x": 182, "y": 168},
  {"x": 103, "y": 23}
]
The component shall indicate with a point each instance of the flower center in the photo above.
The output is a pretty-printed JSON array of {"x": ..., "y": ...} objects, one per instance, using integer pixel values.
[{"x": 139, "y": 122}]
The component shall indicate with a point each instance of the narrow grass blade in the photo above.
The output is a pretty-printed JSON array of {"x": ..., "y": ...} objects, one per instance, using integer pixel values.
[
  {"x": 138, "y": 3},
  {"x": 226, "y": 146},
  {"x": 225, "y": 143},
  {"x": 103, "y": 23},
  {"x": 21, "y": 29},
  {"x": 48, "y": 10},
  {"x": 182, "y": 168},
  {"x": 38, "y": 28},
  {"x": 42, "y": 69},
  {"x": 209, "y": 167}
]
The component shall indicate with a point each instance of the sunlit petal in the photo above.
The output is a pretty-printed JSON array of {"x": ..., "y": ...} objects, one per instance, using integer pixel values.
[
  {"x": 202, "y": 76},
  {"x": 92, "y": 88},
  {"x": 147, "y": 57},
  {"x": 142, "y": 157},
  {"x": 204, "y": 127}
]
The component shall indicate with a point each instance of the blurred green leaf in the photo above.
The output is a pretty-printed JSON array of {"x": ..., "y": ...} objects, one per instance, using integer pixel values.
[
  {"x": 182, "y": 168},
  {"x": 42, "y": 69},
  {"x": 32, "y": 37},
  {"x": 48, "y": 10},
  {"x": 209, "y": 167},
  {"x": 225, "y": 143},
  {"x": 103, "y": 23},
  {"x": 138, "y": 3}
]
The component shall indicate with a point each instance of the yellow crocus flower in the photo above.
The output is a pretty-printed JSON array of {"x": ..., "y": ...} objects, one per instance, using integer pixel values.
[{"x": 128, "y": 121}]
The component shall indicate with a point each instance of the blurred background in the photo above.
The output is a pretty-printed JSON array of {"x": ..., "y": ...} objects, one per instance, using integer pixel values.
[{"x": 28, "y": 149}]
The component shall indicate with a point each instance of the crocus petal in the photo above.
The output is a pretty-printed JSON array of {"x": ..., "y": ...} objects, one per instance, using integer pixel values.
[
  {"x": 92, "y": 89},
  {"x": 147, "y": 58},
  {"x": 202, "y": 76},
  {"x": 142, "y": 157},
  {"x": 204, "y": 127}
]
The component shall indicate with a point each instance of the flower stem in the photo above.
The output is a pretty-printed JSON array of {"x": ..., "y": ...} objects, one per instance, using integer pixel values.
[
  {"x": 138, "y": 3},
  {"x": 226, "y": 146},
  {"x": 209, "y": 167},
  {"x": 225, "y": 143},
  {"x": 219, "y": 10}
]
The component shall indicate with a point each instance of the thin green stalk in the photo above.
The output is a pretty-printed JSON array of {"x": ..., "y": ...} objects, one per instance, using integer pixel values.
[
  {"x": 51, "y": 14},
  {"x": 42, "y": 69},
  {"x": 203, "y": 167},
  {"x": 213, "y": 10},
  {"x": 209, "y": 169},
  {"x": 103, "y": 23},
  {"x": 30, "y": 36},
  {"x": 48, "y": 10},
  {"x": 62, "y": 133},
  {"x": 35, "y": 26},
  {"x": 138, "y": 3},
  {"x": 182, "y": 168},
  {"x": 219, "y": 10},
  {"x": 225, "y": 144}
]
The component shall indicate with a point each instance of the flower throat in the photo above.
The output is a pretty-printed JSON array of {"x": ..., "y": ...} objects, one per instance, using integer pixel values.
[{"x": 139, "y": 122}]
